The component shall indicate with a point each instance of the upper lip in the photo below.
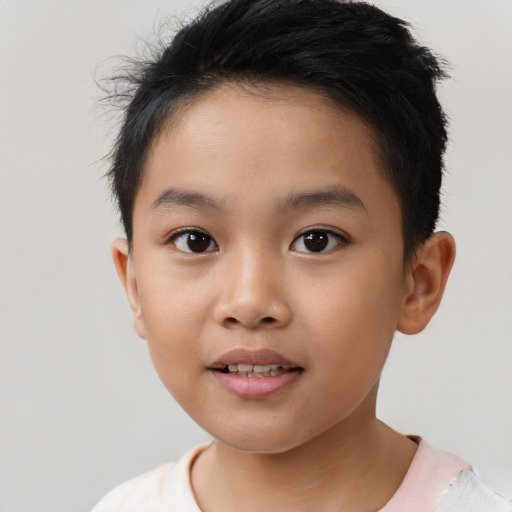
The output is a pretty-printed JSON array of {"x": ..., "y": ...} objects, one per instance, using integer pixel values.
[{"x": 259, "y": 357}]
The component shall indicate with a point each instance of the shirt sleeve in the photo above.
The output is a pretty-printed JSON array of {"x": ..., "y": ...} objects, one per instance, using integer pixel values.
[{"x": 469, "y": 494}]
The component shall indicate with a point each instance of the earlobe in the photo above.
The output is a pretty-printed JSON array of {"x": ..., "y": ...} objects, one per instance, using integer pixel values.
[
  {"x": 425, "y": 282},
  {"x": 125, "y": 268}
]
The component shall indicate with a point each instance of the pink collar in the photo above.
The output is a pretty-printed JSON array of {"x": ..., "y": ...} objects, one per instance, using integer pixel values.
[{"x": 430, "y": 475}]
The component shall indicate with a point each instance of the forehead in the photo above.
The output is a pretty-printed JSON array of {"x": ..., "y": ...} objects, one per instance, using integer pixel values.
[
  {"x": 245, "y": 141},
  {"x": 265, "y": 105}
]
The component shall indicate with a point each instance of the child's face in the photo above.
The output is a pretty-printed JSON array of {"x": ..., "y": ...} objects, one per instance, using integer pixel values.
[{"x": 299, "y": 252}]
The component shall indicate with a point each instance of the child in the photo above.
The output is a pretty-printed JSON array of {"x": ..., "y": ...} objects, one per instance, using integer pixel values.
[{"x": 278, "y": 175}]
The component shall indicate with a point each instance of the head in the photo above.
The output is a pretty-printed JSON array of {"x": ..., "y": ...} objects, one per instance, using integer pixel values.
[{"x": 278, "y": 176}]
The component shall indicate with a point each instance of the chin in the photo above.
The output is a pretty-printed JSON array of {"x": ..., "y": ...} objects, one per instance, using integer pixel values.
[
  {"x": 256, "y": 445},
  {"x": 263, "y": 439}
]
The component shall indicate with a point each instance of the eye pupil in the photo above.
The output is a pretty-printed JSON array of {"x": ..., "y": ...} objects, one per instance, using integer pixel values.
[
  {"x": 198, "y": 242},
  {"x": 316, "y": 241}
]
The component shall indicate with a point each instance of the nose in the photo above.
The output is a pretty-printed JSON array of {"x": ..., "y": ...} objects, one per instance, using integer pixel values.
[{"x": 252, "y": 295}]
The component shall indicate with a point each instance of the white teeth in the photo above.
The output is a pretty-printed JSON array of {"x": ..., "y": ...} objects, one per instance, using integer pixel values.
[
  {"x": 256, "y": 367},
  {"x": 260, "y": 368},
  {"x": 257, "y": 370}
]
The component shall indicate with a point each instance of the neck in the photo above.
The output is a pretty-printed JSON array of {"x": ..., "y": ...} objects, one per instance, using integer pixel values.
[{"x": 331, "y": 472}]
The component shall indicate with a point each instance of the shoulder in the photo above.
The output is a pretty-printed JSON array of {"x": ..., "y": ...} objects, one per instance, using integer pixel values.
[
  {"x": 140, "y": 493},
  {"x": 165, "y": 488},
  {"x": 438, "y": 481},
  {"x": 469, "y": 494}
]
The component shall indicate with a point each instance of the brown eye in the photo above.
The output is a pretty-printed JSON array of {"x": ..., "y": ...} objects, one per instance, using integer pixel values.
[
  {"x": 317, "y": 241},
  {"x": 194, "y": 242}
]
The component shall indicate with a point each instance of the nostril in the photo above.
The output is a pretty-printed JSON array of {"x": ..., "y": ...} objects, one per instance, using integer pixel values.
[{"x": 232, "y": 321}]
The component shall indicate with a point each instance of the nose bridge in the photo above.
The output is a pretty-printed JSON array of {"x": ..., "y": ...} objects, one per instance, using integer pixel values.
[{"x": 252, "y": 293}]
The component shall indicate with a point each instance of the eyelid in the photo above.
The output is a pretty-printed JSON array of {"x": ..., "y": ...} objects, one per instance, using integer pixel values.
[
  {"x": 187, "y": 229},
  {"x": 323, "y": 227}
]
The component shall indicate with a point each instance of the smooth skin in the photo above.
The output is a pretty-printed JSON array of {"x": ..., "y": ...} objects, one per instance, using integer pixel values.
[{"x": 252, "y": 175}]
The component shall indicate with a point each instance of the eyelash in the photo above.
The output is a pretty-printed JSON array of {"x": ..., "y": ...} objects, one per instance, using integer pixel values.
[{"x": 212, "y": 245}]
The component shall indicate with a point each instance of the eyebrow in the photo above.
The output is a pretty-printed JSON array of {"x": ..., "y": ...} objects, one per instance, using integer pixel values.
[
  {"x": 173, "y": 196},
  {"x": 331, "y": 196}
]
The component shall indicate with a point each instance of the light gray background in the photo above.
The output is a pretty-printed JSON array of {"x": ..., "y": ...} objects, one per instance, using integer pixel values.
[{"x": 81, "y": 407}]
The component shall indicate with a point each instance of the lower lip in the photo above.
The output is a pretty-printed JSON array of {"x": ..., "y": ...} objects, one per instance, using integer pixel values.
[{"x": 256, "y": 387}]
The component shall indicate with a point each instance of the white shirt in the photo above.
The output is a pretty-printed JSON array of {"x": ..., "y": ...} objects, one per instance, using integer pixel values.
[{"x": 436, "y": 481}]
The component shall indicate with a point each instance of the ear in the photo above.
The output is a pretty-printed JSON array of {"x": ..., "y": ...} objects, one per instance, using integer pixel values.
[
  {"x": 425, "y": 282},
  {"x": 125, "y": 267}
]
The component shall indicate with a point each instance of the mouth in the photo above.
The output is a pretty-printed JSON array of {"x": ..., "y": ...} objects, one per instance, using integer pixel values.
[{"x": 256, "y": 374}]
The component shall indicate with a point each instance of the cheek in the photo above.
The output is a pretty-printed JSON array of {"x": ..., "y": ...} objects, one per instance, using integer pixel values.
[
  {"x": 173, "y": 314},
  {"x": 173, "y": 303},
  {"x": 353, "y": 317}
]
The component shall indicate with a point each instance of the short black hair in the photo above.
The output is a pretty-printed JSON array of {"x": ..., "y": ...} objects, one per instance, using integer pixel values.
[{"x": 353, "y": 53}]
